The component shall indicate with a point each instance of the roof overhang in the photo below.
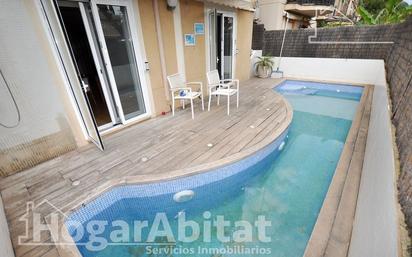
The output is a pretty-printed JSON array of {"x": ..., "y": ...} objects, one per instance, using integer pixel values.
[
  {"x": 309, "y": 10},
  {"x": 247, "y": 5}
]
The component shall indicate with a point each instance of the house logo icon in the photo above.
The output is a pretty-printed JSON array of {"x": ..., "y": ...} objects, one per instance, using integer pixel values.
[{"x": 42, "y": 222}]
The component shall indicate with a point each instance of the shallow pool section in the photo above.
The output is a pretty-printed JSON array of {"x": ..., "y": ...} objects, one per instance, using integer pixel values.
[{"x": 287, "y": 186}]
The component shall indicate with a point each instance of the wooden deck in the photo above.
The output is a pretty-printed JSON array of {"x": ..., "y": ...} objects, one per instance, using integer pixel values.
[{"x": 160, "y": 148}]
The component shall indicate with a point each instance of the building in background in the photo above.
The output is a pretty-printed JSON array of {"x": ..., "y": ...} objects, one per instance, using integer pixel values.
[
  {"x": 302, "y": 13},
  {"x": 72, "y": 70}
]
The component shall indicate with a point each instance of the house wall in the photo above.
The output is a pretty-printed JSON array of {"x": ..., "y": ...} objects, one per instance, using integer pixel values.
[
  {"x": 45, "y": 129},
  {"x": 243, "y": 44},
  {"x": 194, "y": 56},
  {"x": 169, "y": 41},
  {"x": 270, "y": 13},
  {"x": 148, "y": 25}
]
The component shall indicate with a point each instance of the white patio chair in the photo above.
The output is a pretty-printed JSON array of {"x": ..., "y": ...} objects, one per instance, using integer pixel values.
[
  {"x": 184, "y": 92},
  {"x": 225, "y": 87}
]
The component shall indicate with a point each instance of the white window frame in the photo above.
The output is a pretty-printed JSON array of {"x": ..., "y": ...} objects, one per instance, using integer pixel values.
[
  {"x": 134, "y": 27},
  {"x": 207, "y": 30}
]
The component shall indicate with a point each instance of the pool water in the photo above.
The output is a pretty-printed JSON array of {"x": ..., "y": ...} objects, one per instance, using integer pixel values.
[{"x": 288, "y": 188}]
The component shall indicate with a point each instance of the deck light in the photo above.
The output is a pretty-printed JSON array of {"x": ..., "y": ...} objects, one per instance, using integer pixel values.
[
  {"x": 281, "y": 146},
  {"x": 171, "y": 4},
  {"x": 183, "y": 196}
]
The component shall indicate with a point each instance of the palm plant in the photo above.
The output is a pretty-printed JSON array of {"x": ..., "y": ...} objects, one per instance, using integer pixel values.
[
  {"x": 395, "y": 11},
  {"x": 264, "y": 66}
]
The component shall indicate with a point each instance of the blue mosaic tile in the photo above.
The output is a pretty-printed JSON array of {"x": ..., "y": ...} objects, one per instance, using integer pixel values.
[
  {"x": 209, "y": 187},
  {"x": 296, "y": 85}
]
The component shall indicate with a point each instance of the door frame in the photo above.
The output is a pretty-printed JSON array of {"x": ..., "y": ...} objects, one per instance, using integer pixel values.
[
  {"x": 234, "y": 40},
  {"x": 104, "y": 84},
  {"x": 144, "y": 77},
  {"x": 137, "y": 54},
  {"x": 222, "y": 45},
  {"x": 68, "y": 72}
]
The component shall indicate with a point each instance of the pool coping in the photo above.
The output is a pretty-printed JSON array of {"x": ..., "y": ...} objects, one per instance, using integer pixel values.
[
  {"x": 60, "y": 235},
  {"x": 69, "y": 249},
  {"x": 318, "y": 244}
]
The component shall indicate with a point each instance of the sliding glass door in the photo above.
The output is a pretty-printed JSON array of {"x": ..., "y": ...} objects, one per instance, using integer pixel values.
[
  {"x": 213, "y": 39},
  {"x": 222, "y": 42},
  {"x": 227, "y": 47},
  {"x": 98, "y": 47},
  {"x": 115, "y": 32}
]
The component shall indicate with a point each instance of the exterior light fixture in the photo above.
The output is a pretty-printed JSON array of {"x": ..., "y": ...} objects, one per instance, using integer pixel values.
[{"x": 171, "y": 4}]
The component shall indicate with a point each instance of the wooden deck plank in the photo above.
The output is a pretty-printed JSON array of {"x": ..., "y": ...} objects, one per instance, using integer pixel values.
[{"x": 168, "y": 143}]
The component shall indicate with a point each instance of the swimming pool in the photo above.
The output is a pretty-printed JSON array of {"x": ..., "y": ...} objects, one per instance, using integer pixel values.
[{"x": 285, "y": 183}]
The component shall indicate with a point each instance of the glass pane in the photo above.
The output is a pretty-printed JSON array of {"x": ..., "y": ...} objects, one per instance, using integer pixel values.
[
  {"x": 77, "y": 35},
  {"x": 228, "y": 47},
  {"x": 119, "y": 44}
]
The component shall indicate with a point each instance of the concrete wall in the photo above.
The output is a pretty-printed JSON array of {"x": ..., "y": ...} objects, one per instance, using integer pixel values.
[
  {"x": 399, "y": 76},
  {"x": 375, "y": 218}
]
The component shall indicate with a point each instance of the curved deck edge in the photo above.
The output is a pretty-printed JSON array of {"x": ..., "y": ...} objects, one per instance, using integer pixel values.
[{"x": 270, "y": 142}]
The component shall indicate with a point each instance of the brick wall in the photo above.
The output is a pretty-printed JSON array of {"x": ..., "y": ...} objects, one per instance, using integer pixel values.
[
  {"x": 399, "y": 77},
  {"x": 296, "y": 42},
  {"x": 257, "y": 36},
  {"x": 398, "y": 62}
]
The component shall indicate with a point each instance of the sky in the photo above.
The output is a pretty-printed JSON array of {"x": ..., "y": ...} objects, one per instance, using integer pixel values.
[{"x": 408, "y": 1}]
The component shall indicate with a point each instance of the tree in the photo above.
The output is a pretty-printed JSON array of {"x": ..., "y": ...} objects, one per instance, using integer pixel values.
[
  {"x": 395, "y": 11},
  {"x": 373, "y": 6}
]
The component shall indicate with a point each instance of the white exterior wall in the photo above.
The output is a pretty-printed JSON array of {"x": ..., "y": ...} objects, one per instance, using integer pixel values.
[
  {"x": 6, "y": 248},
  {"x": 375, "y": 230},
  {"x": 270, "y": 13},
  {"x": 48, "y": 125},
  {"x": 24, "y": 65}
]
